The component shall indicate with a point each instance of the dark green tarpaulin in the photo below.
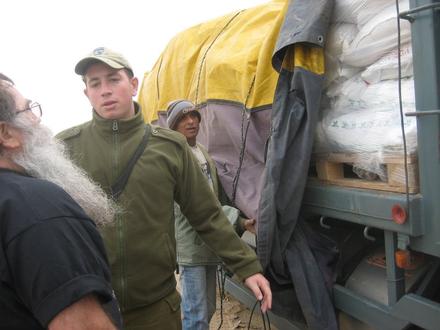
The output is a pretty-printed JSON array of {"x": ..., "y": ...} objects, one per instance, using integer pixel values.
[{"x": 287, "y": 248}]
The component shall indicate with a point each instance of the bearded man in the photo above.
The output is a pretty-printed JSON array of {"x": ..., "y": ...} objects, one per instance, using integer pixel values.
[{"x": 53, "y": 268}]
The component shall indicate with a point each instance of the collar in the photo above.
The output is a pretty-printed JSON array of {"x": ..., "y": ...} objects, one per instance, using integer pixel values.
[
  {"x": 109, "y": 126},
  {"x": 3, "y": 169}
]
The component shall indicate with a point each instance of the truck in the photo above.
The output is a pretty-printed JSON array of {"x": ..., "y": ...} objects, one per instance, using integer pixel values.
[{"x": 386, "y": 239}]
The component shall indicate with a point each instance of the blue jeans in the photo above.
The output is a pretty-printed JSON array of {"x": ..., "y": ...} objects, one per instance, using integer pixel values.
[{"x": 198, "y": 296}]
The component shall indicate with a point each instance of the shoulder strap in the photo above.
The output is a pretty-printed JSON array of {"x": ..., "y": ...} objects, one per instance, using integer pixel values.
[{"x": 118, "y": 187}]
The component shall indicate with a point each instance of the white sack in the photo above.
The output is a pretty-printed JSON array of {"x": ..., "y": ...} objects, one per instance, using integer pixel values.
[
  {"x": 339, "y": 38},
  {"x": 366, "y": 118},
  {"x": 358, "y": 11},
  {"x": 377, "y": 37},
  {"x": 387, "y": 67}
]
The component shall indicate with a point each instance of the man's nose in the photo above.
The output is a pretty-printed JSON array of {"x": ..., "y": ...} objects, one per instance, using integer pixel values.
[
  {"x": 34, "y": 118},
  {"x": 105, "y": 89}
]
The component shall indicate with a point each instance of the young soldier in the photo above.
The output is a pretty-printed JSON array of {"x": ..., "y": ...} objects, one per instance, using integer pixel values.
[{"x": 141, "y": 245}]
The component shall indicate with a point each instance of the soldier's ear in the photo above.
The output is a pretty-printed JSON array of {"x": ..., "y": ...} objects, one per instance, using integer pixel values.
[
  {"x": 10, "y": 137},
  {"x": 134, "y": 84}
]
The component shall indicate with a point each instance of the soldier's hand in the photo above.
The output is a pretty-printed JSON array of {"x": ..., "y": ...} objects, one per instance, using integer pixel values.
[
  {"x": 249, "y": 225},
  {"x": 261, "y": 290}
]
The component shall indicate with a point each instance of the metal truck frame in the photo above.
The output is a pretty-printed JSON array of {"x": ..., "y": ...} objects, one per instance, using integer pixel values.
[{"x": 408, "y": 222}]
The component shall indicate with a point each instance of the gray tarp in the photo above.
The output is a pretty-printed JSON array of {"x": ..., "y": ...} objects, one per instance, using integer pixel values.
[{"x": 287, "y": 248}]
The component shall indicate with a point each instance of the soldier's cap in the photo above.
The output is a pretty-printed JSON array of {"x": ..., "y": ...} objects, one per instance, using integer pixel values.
[{"x": 104, "y": 55}]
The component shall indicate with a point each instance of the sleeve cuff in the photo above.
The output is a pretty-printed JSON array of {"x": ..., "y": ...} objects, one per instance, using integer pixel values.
[
  {"x": 240, "y": 226},
  {"x": 69, "y": 293}
]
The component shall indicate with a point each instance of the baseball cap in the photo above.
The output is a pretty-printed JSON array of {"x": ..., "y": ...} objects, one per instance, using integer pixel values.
[{"x": 104, "y": 55}]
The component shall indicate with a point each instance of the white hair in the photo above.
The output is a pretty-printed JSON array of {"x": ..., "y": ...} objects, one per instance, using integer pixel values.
[{"x": 44, "y": 157}]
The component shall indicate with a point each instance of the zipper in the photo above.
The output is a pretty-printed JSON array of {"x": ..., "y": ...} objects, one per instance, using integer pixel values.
[{"x": 120, "y": 224}]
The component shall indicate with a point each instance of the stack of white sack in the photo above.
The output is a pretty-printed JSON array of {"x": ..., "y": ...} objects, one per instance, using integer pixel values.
[{"x": 360, "y": 112}]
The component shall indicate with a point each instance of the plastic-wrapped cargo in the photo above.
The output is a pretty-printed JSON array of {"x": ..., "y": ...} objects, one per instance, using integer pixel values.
[{"x": 360, "y": 112}]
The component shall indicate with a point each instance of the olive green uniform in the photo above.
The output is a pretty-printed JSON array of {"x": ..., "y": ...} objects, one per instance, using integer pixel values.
[
  {"x": 191, "y": 250},
  {"x": 141, "y": 244}
]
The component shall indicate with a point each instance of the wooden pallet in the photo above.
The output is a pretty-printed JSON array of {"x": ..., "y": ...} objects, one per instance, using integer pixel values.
[{"x": 337, "y": 169}]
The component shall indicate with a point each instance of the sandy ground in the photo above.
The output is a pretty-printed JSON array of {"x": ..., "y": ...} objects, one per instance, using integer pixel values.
[{"x": 235, "y": 315}]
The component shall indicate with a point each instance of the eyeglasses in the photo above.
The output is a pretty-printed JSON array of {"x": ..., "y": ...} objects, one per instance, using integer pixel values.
[{"x": 35, "y": 108}]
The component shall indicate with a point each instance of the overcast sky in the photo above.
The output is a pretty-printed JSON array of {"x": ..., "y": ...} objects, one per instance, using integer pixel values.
[{"x": 42, "y": 40}]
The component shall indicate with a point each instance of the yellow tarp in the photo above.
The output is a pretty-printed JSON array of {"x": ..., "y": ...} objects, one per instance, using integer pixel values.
[{"x": 228, "y": 58}]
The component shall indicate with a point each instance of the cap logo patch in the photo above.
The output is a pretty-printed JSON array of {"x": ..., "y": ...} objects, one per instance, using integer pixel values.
[{"x": 99, "y": 51}]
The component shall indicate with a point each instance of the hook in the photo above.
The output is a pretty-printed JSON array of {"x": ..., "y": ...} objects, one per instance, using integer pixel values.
[
  {"x": 368, "y": 236},
  {"x": 322, "y": 224}
]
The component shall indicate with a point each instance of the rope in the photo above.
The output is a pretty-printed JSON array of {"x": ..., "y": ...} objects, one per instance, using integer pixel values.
[
  {"x": 221, "y": 278},
  {"x": 206, "y": 53},
  {"x": 244, "y": 132},
  {"x": 264, "y": 315},
  {"x": 402, "y": 123},
  {"x": 244, "y": 110}
]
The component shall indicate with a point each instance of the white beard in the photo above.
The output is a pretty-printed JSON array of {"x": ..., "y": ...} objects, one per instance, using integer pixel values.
[{"x": 45, "y": 158}]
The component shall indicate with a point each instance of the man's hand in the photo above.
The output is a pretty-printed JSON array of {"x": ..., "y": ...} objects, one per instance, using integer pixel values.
[
  {"x": 249, "y": 225},
  {"x": 261, "y": 289}
]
